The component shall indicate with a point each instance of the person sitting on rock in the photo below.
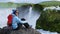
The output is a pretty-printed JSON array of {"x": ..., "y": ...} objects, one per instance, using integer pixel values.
[{"x": 16, "y": 22}]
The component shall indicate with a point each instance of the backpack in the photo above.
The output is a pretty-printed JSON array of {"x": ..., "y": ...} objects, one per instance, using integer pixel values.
[{"x": 9, "y": 22}]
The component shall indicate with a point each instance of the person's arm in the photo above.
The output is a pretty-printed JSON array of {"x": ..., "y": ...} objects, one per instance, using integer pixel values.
[{"x": 18, "y": 20}]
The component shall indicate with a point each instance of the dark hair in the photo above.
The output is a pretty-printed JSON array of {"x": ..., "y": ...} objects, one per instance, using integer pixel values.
[
  {"x": 14, "y": 11},
  {"x": 23, "y": 19}
]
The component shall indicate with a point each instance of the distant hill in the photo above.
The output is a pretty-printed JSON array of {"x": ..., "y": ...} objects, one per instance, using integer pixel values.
[
  {"x": 50, "y": 3},
  {"x": 11, "y": 4}
]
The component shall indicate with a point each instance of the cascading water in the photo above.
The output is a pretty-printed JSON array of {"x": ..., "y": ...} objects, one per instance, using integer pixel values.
[
  {"x": 32, "y": 17},
  {"x": 30, "y": 11}
]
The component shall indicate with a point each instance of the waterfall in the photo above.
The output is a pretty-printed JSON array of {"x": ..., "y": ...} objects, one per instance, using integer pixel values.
[
  {"x": 30, "y": 11},
  {"x": 32, "y": 17}
]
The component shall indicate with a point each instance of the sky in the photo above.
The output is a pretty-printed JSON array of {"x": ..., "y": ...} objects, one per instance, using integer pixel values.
[{"x": 25, "y": 1}]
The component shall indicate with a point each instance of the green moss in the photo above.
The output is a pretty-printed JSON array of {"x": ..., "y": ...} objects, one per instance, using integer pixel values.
[{"x": 49, "y": 20}]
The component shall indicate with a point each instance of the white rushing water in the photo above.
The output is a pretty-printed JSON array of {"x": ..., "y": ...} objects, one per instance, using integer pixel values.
[
  {"x": 30, "y": 11},
  {"x": 33, "y": 16},
  {"x": 46, "y": 32}
]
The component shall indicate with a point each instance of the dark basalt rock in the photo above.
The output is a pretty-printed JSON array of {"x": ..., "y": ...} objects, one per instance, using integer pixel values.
[{"x": 20, "y": 31}]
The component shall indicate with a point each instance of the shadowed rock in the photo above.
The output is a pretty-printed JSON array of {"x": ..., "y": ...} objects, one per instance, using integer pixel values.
[{"x": 20, "y": 31}]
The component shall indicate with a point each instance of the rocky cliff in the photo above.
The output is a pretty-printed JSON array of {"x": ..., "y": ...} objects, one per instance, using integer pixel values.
[{"x": 20, "y": 31}]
